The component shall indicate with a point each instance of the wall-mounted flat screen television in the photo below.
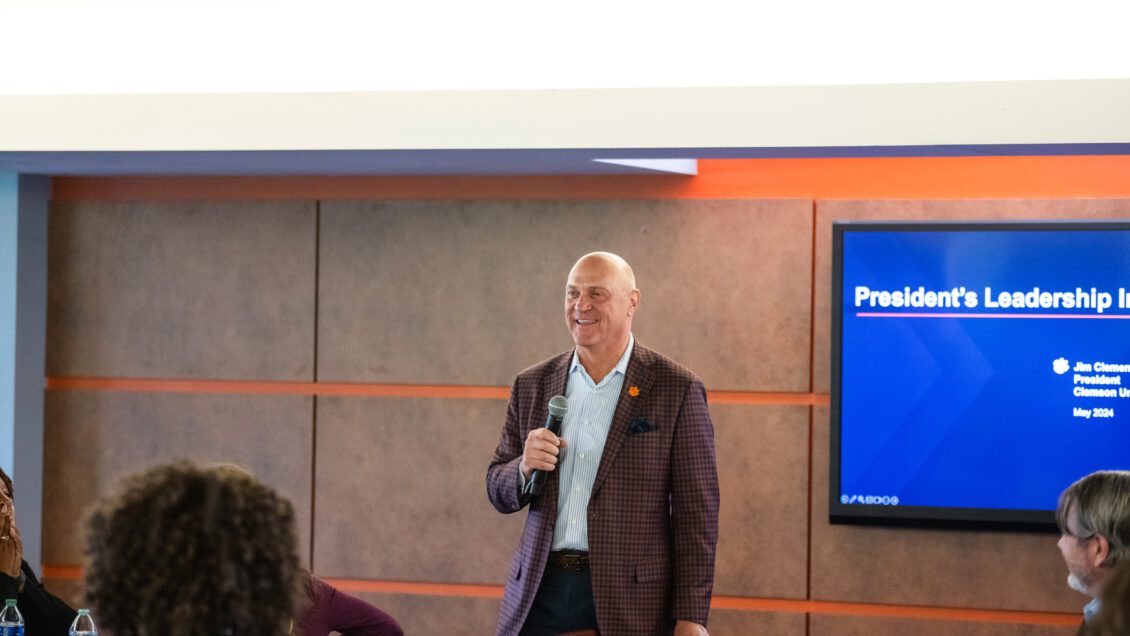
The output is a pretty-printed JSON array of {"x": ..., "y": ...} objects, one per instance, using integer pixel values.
[{"x": 978, "y": 369}]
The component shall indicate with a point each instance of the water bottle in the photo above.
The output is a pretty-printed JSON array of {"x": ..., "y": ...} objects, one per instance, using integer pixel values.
[
  {"x": 11, "y": 621},
  {"x": 83, "y": 625}
]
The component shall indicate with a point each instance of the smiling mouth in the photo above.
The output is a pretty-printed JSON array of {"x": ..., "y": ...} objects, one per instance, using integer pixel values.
[{"x": 584, "y": 322}]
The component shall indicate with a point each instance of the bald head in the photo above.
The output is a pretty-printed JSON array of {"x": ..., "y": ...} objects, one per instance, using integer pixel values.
[{"x": 619, "y": 268}]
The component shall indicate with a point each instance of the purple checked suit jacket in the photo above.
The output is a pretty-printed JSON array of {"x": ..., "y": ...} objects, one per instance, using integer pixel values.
[{"x": 653, "y": 514}]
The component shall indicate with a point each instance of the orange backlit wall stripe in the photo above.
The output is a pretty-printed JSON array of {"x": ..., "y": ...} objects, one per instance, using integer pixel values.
[
  {"x": 62, "y": 572},
  {"x": 895, "y": 611},
  {"x": 74, "y": 573},
  {"x": 823, "y": 178},
  {"x": 372, "y": 390}
]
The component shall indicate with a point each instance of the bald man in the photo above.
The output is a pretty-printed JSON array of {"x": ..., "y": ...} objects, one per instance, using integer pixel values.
[{"x": 622, "y": 534}]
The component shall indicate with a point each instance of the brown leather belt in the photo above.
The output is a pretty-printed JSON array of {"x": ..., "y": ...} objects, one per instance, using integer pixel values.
[{"x": 570, "y": 560}]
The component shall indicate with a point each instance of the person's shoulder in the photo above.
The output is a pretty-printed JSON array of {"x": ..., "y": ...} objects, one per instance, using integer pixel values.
[
  {"x": 664, "y": 366},
  {"x": 536, "y": 372},
  {"x": 320, "y": 590}
]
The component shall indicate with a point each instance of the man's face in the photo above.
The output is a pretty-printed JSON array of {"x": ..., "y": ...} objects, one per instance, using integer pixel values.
[
  {"x": 1079, "y": 555},
  {"x": 599, "y": 303}
]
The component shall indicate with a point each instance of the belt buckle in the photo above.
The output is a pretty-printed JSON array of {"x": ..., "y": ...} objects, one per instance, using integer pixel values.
[{"x": 570, "y": 562}]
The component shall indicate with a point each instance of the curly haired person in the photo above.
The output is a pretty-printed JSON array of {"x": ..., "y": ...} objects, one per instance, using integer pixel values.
[{"x": 182, "y": 550}]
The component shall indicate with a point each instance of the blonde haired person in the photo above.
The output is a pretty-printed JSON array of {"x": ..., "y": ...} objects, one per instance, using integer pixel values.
[{"x": 1094, "y": 522}]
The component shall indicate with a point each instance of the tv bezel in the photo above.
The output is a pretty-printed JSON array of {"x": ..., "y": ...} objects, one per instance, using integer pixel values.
[{"x": 923, "y": 516}]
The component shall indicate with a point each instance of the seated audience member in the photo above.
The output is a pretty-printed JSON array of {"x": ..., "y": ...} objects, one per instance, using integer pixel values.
[
  {"x": 324, "y": 609},
  {"x": 1094, "y": 522},
  {"x": 1114, "y": 617},
  {"x": 187, "y": 551},
  {"x": 44, "y": 614}
]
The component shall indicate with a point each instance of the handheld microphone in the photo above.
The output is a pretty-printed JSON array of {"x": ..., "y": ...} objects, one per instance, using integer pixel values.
[{"x": 558, "y": 406}]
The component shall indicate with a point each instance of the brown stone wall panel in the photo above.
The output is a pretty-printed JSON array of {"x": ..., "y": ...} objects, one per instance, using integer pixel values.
[
  {"x": 926, "y": 211},
  {"x": 72, "y": 592},
  {"x": 763, "y": 478},
  {"x": 471, "y": 292},
  {"x": 209, "y": 290},
  {"x": 92, "y": 439},
  {"x": 833, "y": 625},
  {"x": 401, "y": 491},
  {"x": 940, "y": 568},
  {"x": 723, "y": 622},
  {"x": 447, "y": 615}
]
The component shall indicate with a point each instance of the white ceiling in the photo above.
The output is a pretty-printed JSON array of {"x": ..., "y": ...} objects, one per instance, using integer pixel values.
[
  {"x": 283, "y": 46},
  {"x": 509, "y": 87}
]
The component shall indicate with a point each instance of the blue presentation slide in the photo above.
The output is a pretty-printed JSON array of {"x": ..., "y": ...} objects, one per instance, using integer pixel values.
[{"x": 982, "y": 369}]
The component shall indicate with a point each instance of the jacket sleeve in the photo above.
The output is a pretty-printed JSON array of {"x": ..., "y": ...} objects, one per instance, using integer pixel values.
[
  {"x": 502, "y": 474},
  {"x": 694, "y": 506},
  {"x": 44, "y": 613}
]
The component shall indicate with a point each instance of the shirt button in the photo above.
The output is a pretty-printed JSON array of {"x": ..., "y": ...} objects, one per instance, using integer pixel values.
[
  {"x": 572, "y": 522},
  {"x": 578, "y": 489},
  {"x": 581, "y": 456}
]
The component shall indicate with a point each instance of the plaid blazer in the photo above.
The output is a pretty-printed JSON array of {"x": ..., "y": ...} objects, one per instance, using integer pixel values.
[{"x": 653, "y": 514}]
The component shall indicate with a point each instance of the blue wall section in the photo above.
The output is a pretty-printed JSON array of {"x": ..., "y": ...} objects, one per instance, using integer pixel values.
[{"x": 23, "y": 309}]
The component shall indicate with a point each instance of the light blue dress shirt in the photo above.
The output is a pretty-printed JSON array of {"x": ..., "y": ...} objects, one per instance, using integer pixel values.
[
  {"x": 585, "y": 429},
  {"x": 1090, "y": 610}
]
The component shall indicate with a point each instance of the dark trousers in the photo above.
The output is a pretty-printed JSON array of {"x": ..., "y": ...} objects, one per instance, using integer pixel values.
[{"x": 563, "y": 604}]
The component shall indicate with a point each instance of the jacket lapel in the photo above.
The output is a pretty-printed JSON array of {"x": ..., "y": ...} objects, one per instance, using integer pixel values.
[
  {"x": 640, "y": 376},
  {"x": 553, "y": 383}
]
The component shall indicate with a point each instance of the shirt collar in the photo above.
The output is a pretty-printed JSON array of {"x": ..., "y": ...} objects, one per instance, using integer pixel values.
[
  {"x": 1090, "y": 609},
  {"x": 621, "y": 366}
]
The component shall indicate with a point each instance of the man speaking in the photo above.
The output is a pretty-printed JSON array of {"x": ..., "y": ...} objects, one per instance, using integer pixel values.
[{"x": 621, "y": 536}]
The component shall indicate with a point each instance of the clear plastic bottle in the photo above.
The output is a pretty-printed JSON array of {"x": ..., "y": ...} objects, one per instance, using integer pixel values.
[
  {"x": 11, "y": 621},
  {"x": 83, "y": 625}
]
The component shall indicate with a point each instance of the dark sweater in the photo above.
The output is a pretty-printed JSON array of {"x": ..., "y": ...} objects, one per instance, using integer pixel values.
[
  {"x": 44, "y": 613},
  {"x": 336, "y": 611}
]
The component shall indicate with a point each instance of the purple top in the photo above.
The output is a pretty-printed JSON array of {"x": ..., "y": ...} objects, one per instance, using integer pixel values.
[{"x": 336, "y": 611}]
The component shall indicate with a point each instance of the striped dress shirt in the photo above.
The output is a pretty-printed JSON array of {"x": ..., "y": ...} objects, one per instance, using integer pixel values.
[{"x": 585, "y": 430}]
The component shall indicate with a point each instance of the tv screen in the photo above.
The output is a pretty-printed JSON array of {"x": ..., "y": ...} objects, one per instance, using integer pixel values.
[{"x": 978, "y": 369}]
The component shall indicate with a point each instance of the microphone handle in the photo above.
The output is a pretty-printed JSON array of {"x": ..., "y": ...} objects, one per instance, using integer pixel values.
[{"x": 537, "y": 478}]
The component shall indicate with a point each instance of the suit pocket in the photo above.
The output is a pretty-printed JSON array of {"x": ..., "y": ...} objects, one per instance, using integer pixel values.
[{"x": 652, "y": 571}]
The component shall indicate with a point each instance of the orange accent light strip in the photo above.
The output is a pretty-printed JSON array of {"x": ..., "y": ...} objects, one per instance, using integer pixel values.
[
  {"x": 421, "y": 589},
  {"x": 62, "y": 572},
  {"x": 895, "y": 611},
  {"x": 278, "y": 388},
  {"x": 75, "y": 573},
  {"x": 834, "y": 178},
  {"x": 372, "y": 390}
]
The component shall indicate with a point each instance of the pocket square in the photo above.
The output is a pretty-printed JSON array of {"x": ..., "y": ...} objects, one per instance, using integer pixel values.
[{"x": 639, "y": 425}]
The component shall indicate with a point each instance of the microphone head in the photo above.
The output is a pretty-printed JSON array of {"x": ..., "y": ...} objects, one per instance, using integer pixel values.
[{"x": 558, "y": 406}]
